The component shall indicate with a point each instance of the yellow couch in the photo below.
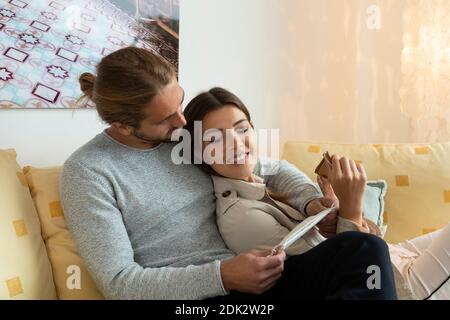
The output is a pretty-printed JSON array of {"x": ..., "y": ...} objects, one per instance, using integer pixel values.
[{"x": 39, "y": 259}]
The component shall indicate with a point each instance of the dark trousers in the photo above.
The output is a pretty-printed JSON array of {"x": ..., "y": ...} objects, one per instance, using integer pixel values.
[{"x": 338, "y": 268}]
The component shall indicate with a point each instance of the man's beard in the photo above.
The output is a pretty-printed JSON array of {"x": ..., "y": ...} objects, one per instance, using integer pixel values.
[{"x": 148, "y": 140}]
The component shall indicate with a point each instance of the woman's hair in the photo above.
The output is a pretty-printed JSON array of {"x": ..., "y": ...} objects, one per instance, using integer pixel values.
[
  {"x": 127, "y": 80},
  {"x": 205, "y": 103}
]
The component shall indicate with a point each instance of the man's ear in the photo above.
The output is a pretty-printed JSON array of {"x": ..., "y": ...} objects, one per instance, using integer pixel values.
[{"x": 122, "y": 129}]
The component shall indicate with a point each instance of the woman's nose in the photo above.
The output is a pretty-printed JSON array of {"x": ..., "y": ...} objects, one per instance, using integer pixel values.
[{"x": 238, "y": 143}]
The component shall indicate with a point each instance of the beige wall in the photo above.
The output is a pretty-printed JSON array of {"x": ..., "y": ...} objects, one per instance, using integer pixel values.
[
  {"x": 315, "y": 69},
  {"x": 343, "y": 79}
]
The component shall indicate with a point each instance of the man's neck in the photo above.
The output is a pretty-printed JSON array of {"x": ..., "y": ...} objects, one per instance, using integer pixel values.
[{"x": 130, "y": 141}]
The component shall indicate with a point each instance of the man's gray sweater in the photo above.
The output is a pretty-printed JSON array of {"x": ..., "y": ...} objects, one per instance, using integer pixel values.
[{"x": 145, "y": 227}]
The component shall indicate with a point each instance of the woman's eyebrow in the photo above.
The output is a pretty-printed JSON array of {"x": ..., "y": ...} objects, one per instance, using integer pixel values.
[
  {"x": 239, "y": 121},
  {"x": 234, "y": 125}
]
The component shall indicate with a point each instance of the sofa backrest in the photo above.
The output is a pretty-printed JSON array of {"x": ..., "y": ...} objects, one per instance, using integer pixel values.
[{"x": 418, "y": 177}]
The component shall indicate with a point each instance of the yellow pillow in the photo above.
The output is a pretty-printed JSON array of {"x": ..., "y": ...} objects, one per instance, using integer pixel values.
[
  {"x": 25, "y": 271},
  {"x": 418, "y": 177},
  {"x": 71, "y": 277}
]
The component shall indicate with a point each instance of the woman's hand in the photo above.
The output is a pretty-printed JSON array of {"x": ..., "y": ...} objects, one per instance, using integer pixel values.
[
  {"x": 327, "y": 190},
  {"x": 348, "y": 180},
  {"x": 327, "y": 227}
]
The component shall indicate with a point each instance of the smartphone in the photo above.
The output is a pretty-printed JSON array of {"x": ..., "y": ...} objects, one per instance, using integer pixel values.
[{"x": 324, "y": 166}]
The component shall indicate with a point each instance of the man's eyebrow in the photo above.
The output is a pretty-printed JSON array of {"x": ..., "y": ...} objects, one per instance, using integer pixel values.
[{"x": 182, "y": 99}]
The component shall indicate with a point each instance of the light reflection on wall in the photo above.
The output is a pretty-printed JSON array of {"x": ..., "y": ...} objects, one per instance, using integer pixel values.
[{"x": 425, "y": 92}]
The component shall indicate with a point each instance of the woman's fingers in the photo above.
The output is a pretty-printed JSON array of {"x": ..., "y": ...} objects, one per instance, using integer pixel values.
[
  {"x": 354, "y": 168},
  {"x": 323, "y": 182},
  {"x": 332, "y": 215},
  {"x": 325, "y": 187},
  {"x": 342, "y": 166},
  {"x": 362, "y": 171},
  {"x": 327, "y": 201},
  {"x": 345, "y": 165},
  {"x": 320, "y": 182},
  {"x": 327, "y": 226},
  {"x": 336, "y": 167}
]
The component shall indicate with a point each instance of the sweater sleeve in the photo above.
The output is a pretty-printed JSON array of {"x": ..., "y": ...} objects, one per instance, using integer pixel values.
[
  {"x": 283, "y": 177},
  {"x": 99, "y": 232}
]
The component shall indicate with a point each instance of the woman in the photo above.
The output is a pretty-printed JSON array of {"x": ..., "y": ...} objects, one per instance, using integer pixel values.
[{"x": 250, "y": 216}]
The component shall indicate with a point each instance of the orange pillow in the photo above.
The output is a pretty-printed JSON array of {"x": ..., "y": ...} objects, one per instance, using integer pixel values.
[{"x": 71, "y": 277}]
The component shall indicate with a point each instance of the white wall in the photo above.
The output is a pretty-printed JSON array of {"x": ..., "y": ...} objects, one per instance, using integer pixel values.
[
  {"x": 234, "y": 44},
  {"x": 222, "y": 43},
  {"x": 46, "y": 137}
]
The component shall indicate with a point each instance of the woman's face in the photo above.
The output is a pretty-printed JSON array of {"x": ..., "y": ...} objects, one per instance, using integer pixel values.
[{"x": 229, "y": 146}]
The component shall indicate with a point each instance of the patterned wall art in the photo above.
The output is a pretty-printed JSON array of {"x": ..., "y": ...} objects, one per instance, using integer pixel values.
[{"x": 46, "y": 45}]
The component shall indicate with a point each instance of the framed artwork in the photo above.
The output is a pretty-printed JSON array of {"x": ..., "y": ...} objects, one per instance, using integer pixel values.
[{"x": 46, "y": 45}]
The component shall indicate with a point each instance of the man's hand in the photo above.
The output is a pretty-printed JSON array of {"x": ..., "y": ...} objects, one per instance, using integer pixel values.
[
  {"x": 327, "y": 227},
  {"x": 253, "y": 272}
]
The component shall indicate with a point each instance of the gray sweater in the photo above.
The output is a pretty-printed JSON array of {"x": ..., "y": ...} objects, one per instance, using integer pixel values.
[{"x": 145, "y": 227}]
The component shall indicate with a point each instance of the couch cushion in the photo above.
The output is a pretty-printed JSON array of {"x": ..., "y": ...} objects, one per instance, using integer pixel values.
[
  {"x": 25, "y": 271},
  {"x": 373, "y": 205},
  {"x": 418, "y": 177},
  {"x": 373, "y": 201},
  {"x": 64, "y": 257}
]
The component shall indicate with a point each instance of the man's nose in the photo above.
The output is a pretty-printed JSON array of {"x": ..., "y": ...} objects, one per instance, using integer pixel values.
[{"x": 179, "y": 120}]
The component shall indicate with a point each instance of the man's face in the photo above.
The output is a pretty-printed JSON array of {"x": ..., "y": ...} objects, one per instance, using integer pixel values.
[{"x": 164, "y": 115}]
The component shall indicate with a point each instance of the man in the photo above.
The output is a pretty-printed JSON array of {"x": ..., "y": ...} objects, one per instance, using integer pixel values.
[{"x": 145, "y": 227}]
